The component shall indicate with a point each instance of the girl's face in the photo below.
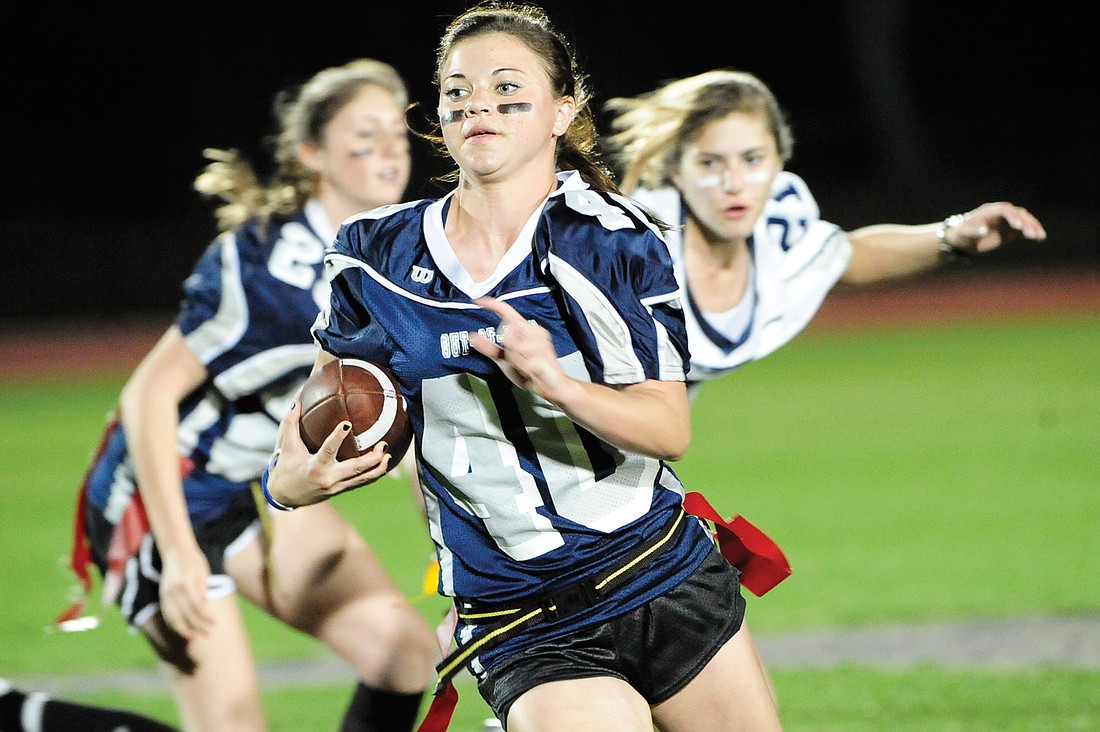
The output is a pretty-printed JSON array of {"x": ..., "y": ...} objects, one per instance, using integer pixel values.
[
  {"x": 364, "y": 152},
  {"x": 725, "y": 176},
  {"x": 497, "y": 110}
]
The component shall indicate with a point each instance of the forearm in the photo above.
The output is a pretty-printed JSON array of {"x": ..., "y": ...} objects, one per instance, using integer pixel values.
[
  {"x": 149, "y": 407},
  {"x": 151, "y": 423},
  {"x": 892, "y": 251},
  {"x": 651, "y": 418}
]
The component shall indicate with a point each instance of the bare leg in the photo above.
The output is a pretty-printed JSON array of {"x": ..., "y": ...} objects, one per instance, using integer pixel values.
[
  {"x": 581, "y": 705},
  {"x": 327, "y": 582},
  {"x": 222, "y": 692},
  {"x": 731, "y": 692}
]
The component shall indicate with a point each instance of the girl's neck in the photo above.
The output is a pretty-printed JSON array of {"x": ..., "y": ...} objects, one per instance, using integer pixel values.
[
  {"x": 339, "y": 208},
  {"x": 717, "y": 269},
  {"x": 485, "y": 218},
  {"x": 712, "y": 250}
]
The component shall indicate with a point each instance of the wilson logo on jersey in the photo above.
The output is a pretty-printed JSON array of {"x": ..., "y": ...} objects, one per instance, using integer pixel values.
[{"x": 423, "y": 275}]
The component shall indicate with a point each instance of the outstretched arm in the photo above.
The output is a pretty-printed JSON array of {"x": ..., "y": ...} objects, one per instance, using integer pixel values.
[
  {"x": 889, "y": 251},
  {"x": 651, "y": 417},
  {"x": 149, "y": 408}
]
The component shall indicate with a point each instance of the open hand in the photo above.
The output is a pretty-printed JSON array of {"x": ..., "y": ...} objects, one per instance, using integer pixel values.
[{"x": 992, "y": 224}]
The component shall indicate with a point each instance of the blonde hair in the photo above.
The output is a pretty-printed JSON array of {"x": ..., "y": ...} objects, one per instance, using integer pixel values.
[
  {"x": 651, "y": 130},
  {"x": 302, "y": 115}
]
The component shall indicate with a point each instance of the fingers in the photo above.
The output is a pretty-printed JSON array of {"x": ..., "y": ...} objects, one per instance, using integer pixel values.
[
  {"x": 518, "y": 328},
  {"x": 364, "y": 469},
  {"x": 293, "y": 417},
  {"x": 509, "y": 319},
  {"x": 345, "y": 475},
  {"x": 486, "y": 347},
  {"x": 506, "y": 312},
  {"x": 192, "y": 616},
  {"x": 290, "y": 437},
  {"x": 300, "y": 478},
  {"x": 331, "y": 445},
  {"x": 521, "y": 336},
  {"x": 1028, "y": 225},
  {"x": 289, "y": 424},
  {"x": 526, "y": 352},
  {"x": 183, "y": 596},
  {"x": 1017, "y": 218},
  {"x": 512, "y": 323},
  {"x": 992, "y": 224}
]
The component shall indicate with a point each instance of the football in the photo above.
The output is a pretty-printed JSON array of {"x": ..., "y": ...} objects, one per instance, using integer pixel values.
[{"x": 363, "y": 393}]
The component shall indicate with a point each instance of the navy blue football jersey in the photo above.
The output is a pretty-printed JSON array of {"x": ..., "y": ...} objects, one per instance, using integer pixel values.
[
  {"x": 247, "y": 311},
  {"x": 519, "y": 498}
]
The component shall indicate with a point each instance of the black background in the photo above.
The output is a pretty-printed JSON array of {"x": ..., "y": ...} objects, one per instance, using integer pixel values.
[{"x": 902, "y": 112}]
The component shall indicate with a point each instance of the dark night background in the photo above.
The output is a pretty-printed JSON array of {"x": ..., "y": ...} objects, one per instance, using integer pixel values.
[{"x": 902, "y": 111}]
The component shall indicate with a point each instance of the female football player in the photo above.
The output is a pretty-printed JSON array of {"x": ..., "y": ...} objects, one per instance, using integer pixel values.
[
  {"x": 531, "y": 316},
  {"x": 753, "y": 257},
  {"x": 168, "y": 504}
]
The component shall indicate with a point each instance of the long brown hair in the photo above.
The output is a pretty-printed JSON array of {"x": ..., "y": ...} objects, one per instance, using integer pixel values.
[{"x": 577, "y": 148}]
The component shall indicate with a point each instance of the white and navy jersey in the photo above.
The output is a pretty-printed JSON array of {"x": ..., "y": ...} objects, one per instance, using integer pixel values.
[
  {"x": 247, "y": 312},
  {"x": 797, "y": 259},
  {"x": 519, "y": 498}
]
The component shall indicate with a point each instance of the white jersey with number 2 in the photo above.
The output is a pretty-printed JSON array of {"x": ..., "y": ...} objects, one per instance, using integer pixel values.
[{"x": 797, "y": 258}]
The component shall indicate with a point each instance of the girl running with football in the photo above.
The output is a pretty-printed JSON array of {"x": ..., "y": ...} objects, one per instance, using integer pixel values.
[{"x": 532, "y": 318}]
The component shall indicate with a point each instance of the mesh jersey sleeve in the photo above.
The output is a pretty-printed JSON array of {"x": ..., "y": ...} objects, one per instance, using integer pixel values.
[
  {"x": 618, "y": 278},
  {"x": 248, "y": 326},
  {"x": 214, "y": 310},
  {"x": 345, "y": 325}
]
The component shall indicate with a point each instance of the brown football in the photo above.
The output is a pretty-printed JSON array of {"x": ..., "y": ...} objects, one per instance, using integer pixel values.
[{"x": 363, "y": 393}]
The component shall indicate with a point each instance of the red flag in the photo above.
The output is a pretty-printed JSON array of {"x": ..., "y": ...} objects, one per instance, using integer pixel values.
[
  {"x": 440, "y": 712},
  {"x": 746, "y": 547},
  {"x": 443, "y": 704}
]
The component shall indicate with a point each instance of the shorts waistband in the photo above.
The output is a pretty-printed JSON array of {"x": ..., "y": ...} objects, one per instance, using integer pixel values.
[{"x": 507, "y": 619}]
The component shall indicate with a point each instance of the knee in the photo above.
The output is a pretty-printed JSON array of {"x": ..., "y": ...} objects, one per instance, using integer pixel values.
[
  {"x": 385, "y": 638},
  {"x": 170, "y": 646}
]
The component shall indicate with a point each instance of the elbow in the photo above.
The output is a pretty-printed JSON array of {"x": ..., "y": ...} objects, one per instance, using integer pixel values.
[
  {"x": 140, "y": 397},
  {"x": 129, "y": 398},
  {"x": 676, "y": 445},
  {"x": 674, "y": 455},
  {"x": 854, "y": 278}
]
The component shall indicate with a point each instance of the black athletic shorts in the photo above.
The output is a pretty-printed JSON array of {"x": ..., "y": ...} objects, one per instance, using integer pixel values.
[
  {"x": 657, "y": 648},
  {"x": 139, "y": 596}
]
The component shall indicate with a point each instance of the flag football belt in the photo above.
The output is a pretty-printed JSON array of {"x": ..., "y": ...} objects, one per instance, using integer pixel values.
[{"x": 505, "y": 621}]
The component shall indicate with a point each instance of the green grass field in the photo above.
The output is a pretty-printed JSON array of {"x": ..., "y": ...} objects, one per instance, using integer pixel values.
[{"x": 915, "y": 474}]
